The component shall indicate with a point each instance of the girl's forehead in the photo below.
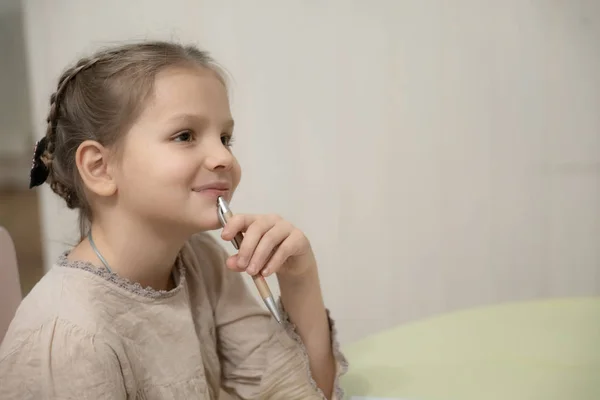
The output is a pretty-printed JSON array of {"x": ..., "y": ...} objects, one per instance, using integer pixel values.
[{"x": 188, "y": 92}]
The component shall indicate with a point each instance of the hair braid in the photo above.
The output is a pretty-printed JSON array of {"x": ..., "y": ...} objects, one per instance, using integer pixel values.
[
  {"x": 52, "y": 121},
  {"x": 55, "y": 98}
]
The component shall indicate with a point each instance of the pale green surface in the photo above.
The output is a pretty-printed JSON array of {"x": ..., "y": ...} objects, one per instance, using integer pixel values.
[{"x": 546, "y": 350}]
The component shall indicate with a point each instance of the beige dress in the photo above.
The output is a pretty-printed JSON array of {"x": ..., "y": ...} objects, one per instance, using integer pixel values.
[{"x": 85, "y": 333}]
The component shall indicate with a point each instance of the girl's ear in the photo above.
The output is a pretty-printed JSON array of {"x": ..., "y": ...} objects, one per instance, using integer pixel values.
[{"x": 92, "y": 162}]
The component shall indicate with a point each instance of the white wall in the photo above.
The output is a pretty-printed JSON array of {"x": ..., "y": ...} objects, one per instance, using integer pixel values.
[{"x": 439, "y": 154}]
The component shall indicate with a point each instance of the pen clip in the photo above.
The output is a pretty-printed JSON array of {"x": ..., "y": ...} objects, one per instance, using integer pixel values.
[
  {"x": 223, "y": 212},
  {"x": 222, "y": 219}
]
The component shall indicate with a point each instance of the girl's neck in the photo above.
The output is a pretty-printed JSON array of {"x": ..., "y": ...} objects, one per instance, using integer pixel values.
[{"x": 133, "y": 251}]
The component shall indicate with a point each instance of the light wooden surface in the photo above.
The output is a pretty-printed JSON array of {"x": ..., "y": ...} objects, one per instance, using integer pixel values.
[{"x": 546, "y": 350}]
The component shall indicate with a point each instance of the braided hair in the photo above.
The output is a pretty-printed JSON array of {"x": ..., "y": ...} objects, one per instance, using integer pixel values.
[{"x": 58, "y": 187}]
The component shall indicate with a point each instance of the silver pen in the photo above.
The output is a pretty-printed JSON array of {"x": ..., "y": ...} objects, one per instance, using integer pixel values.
[{"x": 224, "y": 214}]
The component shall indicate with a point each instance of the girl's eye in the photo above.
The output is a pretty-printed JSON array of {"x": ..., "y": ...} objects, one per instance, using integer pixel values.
[
  {"x": 227, "y": 140},
  {"x": 185, "y": 136}
]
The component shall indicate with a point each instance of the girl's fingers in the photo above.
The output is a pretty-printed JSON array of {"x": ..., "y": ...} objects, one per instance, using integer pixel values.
[
  {"x": 237, "y": 223},
  {"x": 253, "y": 235},
  {"x": 286, "y": 249},
  {"x": 270, "y": 241},
  {"x": 241, "y": 222},
  {"x": 232, "y": 264}
]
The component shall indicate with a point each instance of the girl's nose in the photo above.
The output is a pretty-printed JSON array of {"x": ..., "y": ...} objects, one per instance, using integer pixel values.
[{"x": 219, "y": 156}]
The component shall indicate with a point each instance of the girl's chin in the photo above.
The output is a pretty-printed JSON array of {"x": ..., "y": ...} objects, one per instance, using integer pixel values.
[{"x": 207, "y": 224}]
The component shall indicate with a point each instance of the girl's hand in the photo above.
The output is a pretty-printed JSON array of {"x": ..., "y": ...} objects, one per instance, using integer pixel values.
[{"x": 271, "y": 245}]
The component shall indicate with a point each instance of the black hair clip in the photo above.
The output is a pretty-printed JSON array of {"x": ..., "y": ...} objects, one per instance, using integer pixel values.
[{"x": 39, "y": 171}]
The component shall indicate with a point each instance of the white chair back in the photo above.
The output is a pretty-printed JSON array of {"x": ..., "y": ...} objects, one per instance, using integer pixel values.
[{"x": 10, "y": 285}]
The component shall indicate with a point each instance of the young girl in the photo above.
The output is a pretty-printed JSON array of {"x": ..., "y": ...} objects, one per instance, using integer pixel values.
[{"x": 145, "y": 307}]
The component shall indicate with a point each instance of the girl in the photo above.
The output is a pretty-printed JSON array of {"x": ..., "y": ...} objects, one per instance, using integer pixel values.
[{"x": 145, "y": 307}]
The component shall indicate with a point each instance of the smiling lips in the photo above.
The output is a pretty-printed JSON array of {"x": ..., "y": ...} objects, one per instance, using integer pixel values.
[{"x": 213, "y": 189}]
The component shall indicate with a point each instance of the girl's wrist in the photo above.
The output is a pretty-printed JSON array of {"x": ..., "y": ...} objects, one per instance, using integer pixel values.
[{"x": 301, "y": 273}]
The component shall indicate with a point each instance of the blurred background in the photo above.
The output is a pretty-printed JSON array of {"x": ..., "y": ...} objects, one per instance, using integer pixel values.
[
  {"x": 19, "y": 206},
  {"x": 440, "y": 155}
]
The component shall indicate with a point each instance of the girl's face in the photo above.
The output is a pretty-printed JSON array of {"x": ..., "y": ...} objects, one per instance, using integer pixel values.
[{"x": 177, "y": 158}]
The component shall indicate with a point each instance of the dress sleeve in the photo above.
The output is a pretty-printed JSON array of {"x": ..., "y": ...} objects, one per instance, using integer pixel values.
[
  {"x": 261, "y": 359},
  {"x": 59, "y": 361}
]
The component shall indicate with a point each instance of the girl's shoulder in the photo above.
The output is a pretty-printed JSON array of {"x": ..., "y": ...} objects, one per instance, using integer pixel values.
[
  {"x": 50, "y": 325},
  {"x": 59, "y": 302}
]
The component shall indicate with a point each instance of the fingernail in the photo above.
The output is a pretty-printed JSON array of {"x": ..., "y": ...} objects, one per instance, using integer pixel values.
[{"x": 265, "y": 272}]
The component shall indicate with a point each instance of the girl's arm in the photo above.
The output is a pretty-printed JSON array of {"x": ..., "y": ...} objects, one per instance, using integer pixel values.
[
  {"x": 260, "y": 358},
  {"x": 272, "y": 245},
  {"x": 303, "y": 301}
]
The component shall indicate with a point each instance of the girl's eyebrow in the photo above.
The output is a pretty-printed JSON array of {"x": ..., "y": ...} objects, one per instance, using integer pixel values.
[{"x": 199, "y": 119}]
